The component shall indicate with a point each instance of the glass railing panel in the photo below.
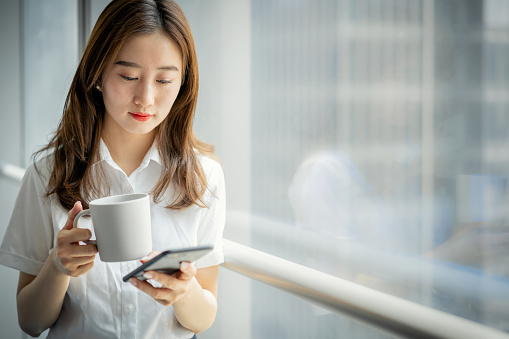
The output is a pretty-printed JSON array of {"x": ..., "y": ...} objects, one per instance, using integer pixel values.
[{"x": 372, "y": 147}]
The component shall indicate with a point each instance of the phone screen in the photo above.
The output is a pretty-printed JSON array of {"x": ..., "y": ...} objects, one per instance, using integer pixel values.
[{"x": 168, "y": 262}]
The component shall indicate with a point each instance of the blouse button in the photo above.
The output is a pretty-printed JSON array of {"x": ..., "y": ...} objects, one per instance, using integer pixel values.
[{"x": 129, "y": 308}]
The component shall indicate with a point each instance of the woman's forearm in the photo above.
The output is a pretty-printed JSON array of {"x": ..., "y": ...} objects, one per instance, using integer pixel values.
[
  {"x": 40, "y": 300},
  {"x": 197, "y": 310}
]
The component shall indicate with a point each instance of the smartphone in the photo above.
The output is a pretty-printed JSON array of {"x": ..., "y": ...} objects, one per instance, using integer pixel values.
[{"x": 168, "y": 262}]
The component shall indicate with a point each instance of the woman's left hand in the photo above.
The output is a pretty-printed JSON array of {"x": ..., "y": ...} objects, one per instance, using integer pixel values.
[{"x": 173, "y": 287}]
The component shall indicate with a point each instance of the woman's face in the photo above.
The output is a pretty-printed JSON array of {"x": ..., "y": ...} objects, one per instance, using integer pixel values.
[{"x": 141, "y": 86}]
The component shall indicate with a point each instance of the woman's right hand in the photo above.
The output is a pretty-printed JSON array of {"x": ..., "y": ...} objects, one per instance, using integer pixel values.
[{"x": 68, "y": 256}]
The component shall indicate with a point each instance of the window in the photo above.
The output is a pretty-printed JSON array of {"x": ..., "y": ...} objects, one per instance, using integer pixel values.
[{"x": 364, "y": 139}]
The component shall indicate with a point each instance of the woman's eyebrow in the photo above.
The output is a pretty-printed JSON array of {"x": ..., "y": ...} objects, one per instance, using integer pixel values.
[{"x": 135, "y": 65}]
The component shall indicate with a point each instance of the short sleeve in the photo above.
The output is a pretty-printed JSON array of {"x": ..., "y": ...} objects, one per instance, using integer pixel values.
[
  {"x": 29, "y": 236},
  {"x": 212, "y": 221}
]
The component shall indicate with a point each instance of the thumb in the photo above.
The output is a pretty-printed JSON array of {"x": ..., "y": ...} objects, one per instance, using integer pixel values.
[
  {"x": 72, "y": 214},
  {"x": 187, "y": 271}
]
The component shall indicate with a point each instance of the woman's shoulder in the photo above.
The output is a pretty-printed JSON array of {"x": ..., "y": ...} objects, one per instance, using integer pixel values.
[
  {"x": 211, "y": 167},
  {"x": 40, "y": 169},
  {"x": 207, "y": 161}
]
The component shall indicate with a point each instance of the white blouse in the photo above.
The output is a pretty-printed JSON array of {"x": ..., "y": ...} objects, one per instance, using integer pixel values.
[{"x": 99, "y": 304}]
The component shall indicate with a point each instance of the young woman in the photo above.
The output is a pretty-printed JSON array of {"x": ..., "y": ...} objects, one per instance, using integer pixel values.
[{"x": 126, "y": 128}]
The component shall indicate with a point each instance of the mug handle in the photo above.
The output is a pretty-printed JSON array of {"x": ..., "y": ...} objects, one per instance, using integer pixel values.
[{"x": 75, "y": 224}]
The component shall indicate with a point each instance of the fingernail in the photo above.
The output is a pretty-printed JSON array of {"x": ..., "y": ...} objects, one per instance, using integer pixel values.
[
  {"x": 133, "y": 281},
  {"x": 184, "y": 264},
  {"x": 147, "y": 275},
  {"x": 145, "y": 257}
]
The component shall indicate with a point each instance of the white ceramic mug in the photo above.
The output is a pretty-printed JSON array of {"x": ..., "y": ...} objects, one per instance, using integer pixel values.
[{"x": 122, "y": 226}]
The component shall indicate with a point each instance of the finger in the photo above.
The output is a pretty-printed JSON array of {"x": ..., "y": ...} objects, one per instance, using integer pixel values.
[
  {"x": 72, "y": 214},
  {"x": 149, "y": 256},
  {"x": 187, "y": 271},
  {"x": 89, "y": 250},
  {"x": 72, "y": 237},
  {"x": 75, "y": 262},
  {"x": 83, "y": 261},
  {"x": 77, "y": 234},
  {"x": 161, "y": 295},
  {"x": 83, "y": 269},
  {"x": 167, "y": 281},
  {"x": 144, "y": 286}
]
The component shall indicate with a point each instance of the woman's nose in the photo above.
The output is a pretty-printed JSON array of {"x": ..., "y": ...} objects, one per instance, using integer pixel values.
[{"x": 144, "y": 95}]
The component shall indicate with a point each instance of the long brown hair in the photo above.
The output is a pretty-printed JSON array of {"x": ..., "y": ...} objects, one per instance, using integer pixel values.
[{"x": 75, "y": 144}]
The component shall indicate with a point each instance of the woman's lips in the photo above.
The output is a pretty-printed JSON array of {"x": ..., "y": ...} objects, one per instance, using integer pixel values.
[{"x": 141, "y": 116}]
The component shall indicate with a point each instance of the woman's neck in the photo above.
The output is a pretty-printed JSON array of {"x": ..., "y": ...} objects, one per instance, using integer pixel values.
[{"x": 128, "y": 150}]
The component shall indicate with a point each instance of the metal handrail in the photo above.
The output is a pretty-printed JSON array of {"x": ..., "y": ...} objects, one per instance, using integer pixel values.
[{"x": 387, "y": 312}]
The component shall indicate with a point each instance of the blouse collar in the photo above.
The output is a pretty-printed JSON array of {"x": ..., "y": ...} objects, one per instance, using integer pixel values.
[{"x": 105, "y": 155}]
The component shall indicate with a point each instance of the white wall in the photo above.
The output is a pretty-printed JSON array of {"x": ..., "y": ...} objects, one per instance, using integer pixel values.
[
  {"x": 10, "y": 149},
  {"x": 38, "y": 56},
  {"x": 222, "y": 33}
]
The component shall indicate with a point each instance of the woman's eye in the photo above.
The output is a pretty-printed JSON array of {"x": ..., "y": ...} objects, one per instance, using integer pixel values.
[
  {"x": 164, "y": 81},
  {"x": 128, "y": 78}
]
